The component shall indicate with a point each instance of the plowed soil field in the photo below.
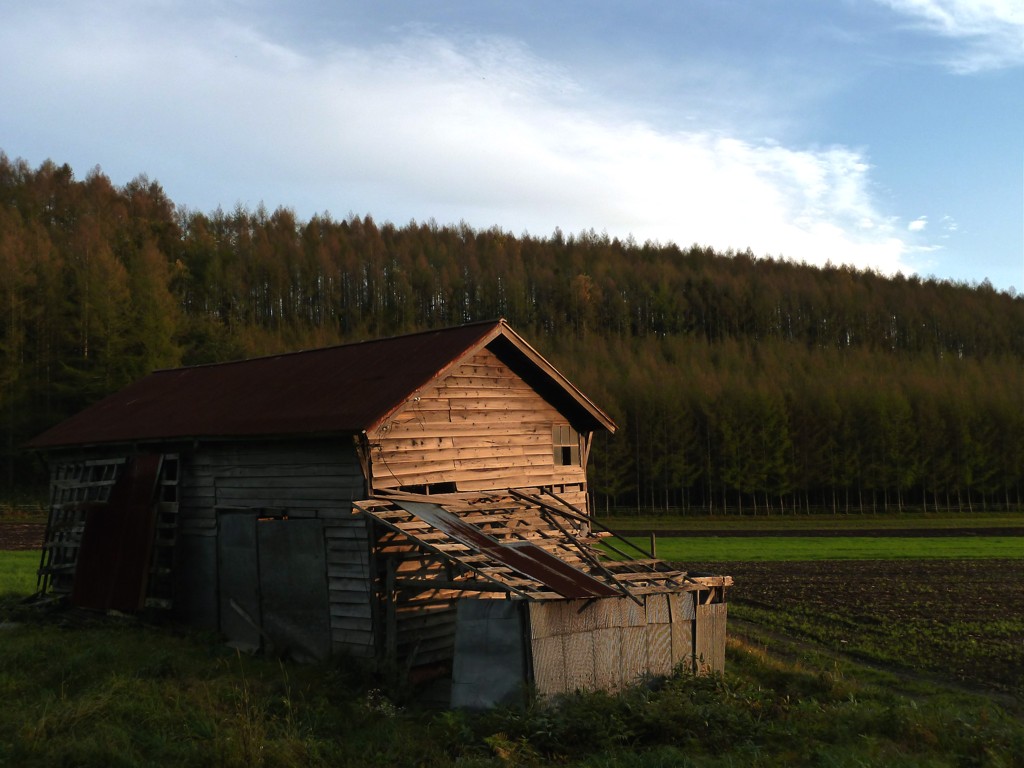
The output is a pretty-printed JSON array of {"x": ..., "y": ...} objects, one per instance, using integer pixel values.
[
  {"x": 19, "y": 536},
  {"x": 960, "y": 619}
]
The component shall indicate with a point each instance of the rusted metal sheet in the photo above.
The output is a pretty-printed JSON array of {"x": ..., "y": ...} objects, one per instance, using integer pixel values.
[
  {"x": 490, "y": 659},
  {"x": 272, "y": 584},
  {"x": 117, "y": 541},
  {"x": 293, "y": 587},
  {"x": 526, "y": 558},
  {"x": 238, "y": 578}
]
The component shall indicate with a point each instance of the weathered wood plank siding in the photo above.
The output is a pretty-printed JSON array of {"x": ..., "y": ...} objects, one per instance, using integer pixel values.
[
  {"x": 481, "y": 427},
  {"x": 300, "y": 479}
]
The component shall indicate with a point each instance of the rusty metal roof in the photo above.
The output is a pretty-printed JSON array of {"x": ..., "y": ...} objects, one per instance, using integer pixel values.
[
  {"x": 336, "y": 389},
  {"x": 342, "y": 389}
]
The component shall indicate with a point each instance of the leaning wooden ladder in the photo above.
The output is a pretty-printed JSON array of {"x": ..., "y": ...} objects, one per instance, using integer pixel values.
[
  {"x": 73, "y": 486},
  {"x": 160, "y": 587},
  {"x": 77, "y": 485}
]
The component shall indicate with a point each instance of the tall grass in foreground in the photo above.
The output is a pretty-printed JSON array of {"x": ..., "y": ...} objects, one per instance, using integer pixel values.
[
  {"x": 83, "y": 689},
  {"x": 100, "y": 691}
]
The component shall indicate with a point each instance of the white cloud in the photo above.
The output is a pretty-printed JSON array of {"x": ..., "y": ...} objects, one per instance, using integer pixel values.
[
  {"x": 919, "y": 224},
  {"x": 425, "y": 126},
  {"x": 993, "y": 30}
]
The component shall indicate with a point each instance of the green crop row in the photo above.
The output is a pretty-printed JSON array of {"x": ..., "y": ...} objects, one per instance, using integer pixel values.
[
  {"x": 779, "y": 548},
  {"x": 923, "y": 521}
]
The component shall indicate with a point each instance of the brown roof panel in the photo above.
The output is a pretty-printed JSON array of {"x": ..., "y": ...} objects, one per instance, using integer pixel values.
[{"x": 342, "y": 389}]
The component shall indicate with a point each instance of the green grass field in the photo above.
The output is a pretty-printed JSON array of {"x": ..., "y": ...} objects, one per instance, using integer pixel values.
[
  {"x": 758, "y": 548},
  {"x": 854, "y": 522},
  {"x": 18, "y": 573}
]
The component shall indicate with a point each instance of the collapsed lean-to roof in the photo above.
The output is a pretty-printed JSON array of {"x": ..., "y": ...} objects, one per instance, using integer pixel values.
[
  {"x": 344, "y": 389},
  {"x": 529, "y": 543}
]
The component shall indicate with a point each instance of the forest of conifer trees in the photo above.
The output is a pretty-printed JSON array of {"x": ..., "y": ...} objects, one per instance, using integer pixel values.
[{"x": 739, "y": 384}]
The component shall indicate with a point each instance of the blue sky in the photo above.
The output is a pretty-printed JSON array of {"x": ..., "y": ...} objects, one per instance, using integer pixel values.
[{"x": 887, "y": 134}]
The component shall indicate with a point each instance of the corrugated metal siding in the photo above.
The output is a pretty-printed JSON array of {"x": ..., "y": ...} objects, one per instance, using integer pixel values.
[{"x": 613, "y": 642}]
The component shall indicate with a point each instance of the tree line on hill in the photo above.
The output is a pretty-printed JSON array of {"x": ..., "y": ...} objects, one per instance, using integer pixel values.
[{"x": 739, "y": 384}]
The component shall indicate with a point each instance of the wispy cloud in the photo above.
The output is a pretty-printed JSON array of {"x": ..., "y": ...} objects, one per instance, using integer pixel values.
[
  {"x": 992, "y": 31},
  {"x": 424, "y": 126}
]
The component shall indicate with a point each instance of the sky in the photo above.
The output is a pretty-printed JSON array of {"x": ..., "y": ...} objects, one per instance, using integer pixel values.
[{"x": 883, "y": 134}]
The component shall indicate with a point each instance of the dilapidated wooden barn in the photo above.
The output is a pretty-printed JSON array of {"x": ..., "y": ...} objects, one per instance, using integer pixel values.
[{"x": 420, "y": 499}]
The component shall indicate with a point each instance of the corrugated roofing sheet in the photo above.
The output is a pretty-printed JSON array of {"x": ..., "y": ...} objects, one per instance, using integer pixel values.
[
  {"x": 342, "y": 389},
  {"x": 510, "y": 541},
  {"x": 528, "y": 559}
]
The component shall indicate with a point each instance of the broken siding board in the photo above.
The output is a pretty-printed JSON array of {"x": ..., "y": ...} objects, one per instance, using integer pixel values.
[
  {"x": 435, "y": 635},
  {"x": 283, "y": 498},
  {"x": 607, "y": 657},
  {"x": 465, "y": 378},
  {"x": 355, "y": 609},
  {"x": 352, "y": 638},
  {"x": 350, "y": 590},
  {"x": 337, "y": 584},
  {"x": 342, "y": 551},
  {"x": 281, "y": 479},
  {"x": 349, "y": 624},
  {"x": 413, "y": 432},
  {"x": 657, "y": 609},
  {"x": 581, "y": 617},
  {"x": 243, "y": 475},
  {"x": 447, "y": 464},
  {"x": 443, "y": 408},
  {"x": 709, "y": 640},
  {"x": 634, "y": 654},
  {"x": 579, "y": 661},
  {"x": 241, "y": 453},
  {"x": 331, "y": 466},
  {"x": 634, "y": 615},
  {"x": 682, "y": 644},
  {"x": 484, "y": 440},
  {"x": 659, "y": 649},
  {"x": 548, "y": 665},
  {"x": 513, "y": 449},
  {"x": 426, "y": 632}
]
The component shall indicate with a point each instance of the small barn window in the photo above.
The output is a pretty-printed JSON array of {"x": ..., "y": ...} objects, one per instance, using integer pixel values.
[{"x": 566, "y": 445}]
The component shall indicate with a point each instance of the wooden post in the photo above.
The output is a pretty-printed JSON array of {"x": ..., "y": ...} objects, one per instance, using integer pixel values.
[{"x": 654, "y": 544}]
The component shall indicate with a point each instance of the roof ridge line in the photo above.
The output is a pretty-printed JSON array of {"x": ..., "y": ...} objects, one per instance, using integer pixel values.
[{"x": 292, "y": 352}]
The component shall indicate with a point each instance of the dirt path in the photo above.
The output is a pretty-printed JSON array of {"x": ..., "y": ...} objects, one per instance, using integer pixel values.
[{"x": 21, "y": 536}]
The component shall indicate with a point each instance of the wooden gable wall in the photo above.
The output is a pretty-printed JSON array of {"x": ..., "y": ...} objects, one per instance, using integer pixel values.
[{"x": 480, "y": 427}]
